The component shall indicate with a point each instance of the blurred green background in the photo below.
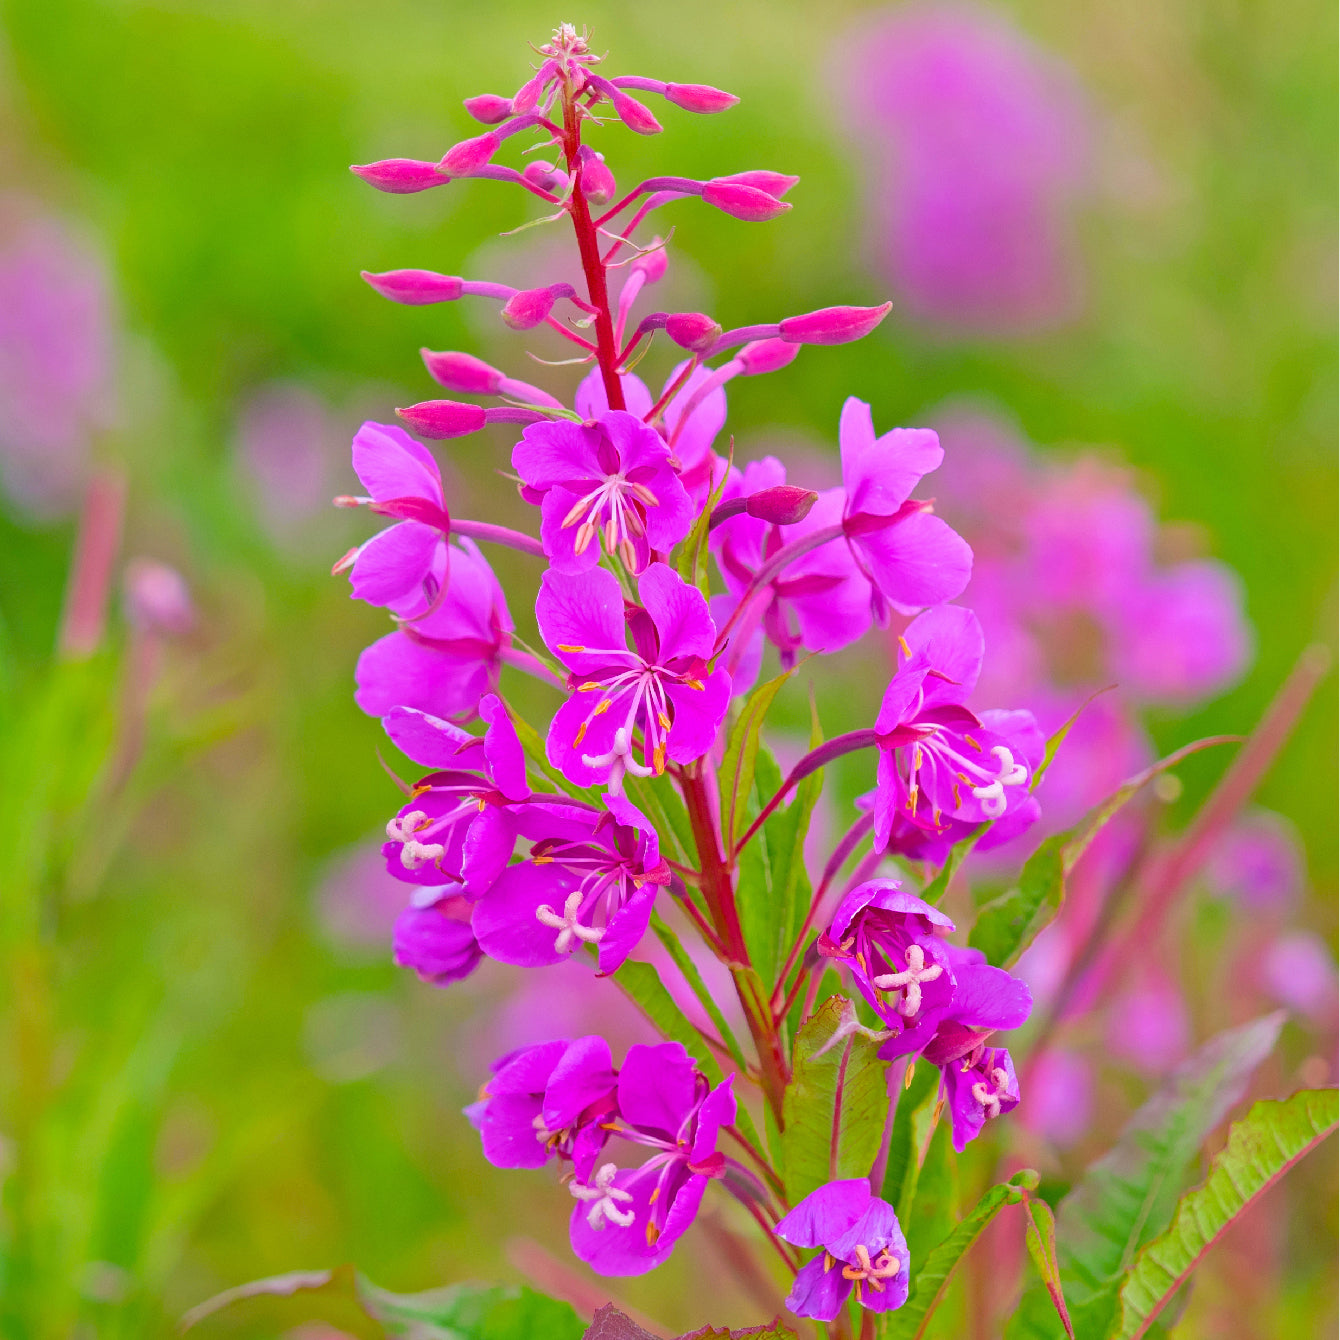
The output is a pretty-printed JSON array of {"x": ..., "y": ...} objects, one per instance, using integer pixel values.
[{"x": 247, "y": 1093}]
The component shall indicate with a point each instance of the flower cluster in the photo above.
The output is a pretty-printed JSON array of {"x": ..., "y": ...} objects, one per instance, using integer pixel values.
[{"x": 530, "y": 846}]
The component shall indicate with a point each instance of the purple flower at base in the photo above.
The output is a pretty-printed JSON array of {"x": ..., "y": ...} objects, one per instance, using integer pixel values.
[
  {"x": 821, "y": 601},
  {"x": 628, "y": 1220},
  {"x": 607, "y": 481},
  {"x": 938, "y": 760},
  {"x": 893, "y": 944},
  {"x": 436, "y": 939},
  {"x": 662, "y": 689},
  {"x": 457, "y": 827},
  {"x": 396, "y": 565},
  {"x": 911, "y": 558},
  {"x": 445, "y": 659},
  {"x": 978, "y": 1088},
  {"x": 553, "y": 1100},
  {"x": 591, "y": 878},
  {"x": 864, "y": 1251}
]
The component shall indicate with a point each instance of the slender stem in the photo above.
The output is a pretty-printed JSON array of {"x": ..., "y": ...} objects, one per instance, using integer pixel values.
[
  {"x": 486, "y": 530},
  {"x": 554, "y": 323},
  {"x": 760, "y": 1162},
  {"x": 588, "y": 246},
  {"x": 670, "y": 391},
  {"x": 791, "y": 996}
]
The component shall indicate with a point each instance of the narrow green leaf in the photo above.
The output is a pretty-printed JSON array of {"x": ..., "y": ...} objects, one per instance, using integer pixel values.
[
  {"x": 692, "y": 564},
  {"x": 735, "y": 779},
  {"x": 933, "y": 1208},
  {"x": 930, "y": 1281},
  {"x": 695, "y": 980},
  {"x": 1261, "y": 1148},
  {"x": 1056, "y": 740},
  {"x": 834, "y": 1106},
  {"x": 645, "y": 989},
  {"x": 913, "y": 1125},
  {"x": 1040, "y": 1237},
  {"x": 657, "y": 798},
  {"x": 471, "y": 1312}
]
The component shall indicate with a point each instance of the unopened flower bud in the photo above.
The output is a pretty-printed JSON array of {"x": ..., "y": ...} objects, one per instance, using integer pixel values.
[
  {"x": 157, "y": 598},
  {"x": 526, "y": 97},
  {"x": 651, "y": 264},
  {"x": 782, "y": 505},
  {"x": 463, "y": 373},
  {"x": 766, "y": 356},
  {"x": 415, "y": 287},
  {"x": 527, "y": 309},
  {"x": 692, "y": 330},
  {"x": 776, "y": 184},
  {"x": 743, "y": 202},
  {"x": 833, "y": 325},
  {"x": 701, "y": 98},
  {"x": 489, "y": 108},
  {"x": 545, "y": 175},
  {"x": 400, "y": 176},
  {"x": 443, "y": 418},
  {"x": 598, "y": 182},
  {"x": 469, "y": 155},
  {"x": 631, "y": 112}
]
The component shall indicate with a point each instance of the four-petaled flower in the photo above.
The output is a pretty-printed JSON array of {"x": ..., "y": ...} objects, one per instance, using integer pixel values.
[
  {"x": 864, "y": 1251},
  {"x": 631, "y": 710}
]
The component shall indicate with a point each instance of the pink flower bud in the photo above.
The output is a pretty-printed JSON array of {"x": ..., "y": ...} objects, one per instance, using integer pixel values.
[
  {"x": 546, "y": 176},
  {"x": 651, "y": 265},
  {"x": 443, "y": 418},
  {"x": 469, "y": 155},
  {"x": 415, "y": 287},
  {"x": 528, "y": 94},
  {"x": 701, "y": 98},
  {"x": 400, "y": 176},
  {"x": 157, "y": 598},
  {"x": 766, "y": 356},
  {"x": 741, "y": 201},
  {"x": 527, "y": 309},
  {"x": 692, "y": 330},
  {"x": 833, "y": 325},
  {"x": 598, "y": 182},
  {"x": 631, "y": 112},
  {"x": 489, "y": 108},
  {"x": 776, "y": 184},
  {"x": 463, "y": 373},
  {"x": 783, "y": 505}
]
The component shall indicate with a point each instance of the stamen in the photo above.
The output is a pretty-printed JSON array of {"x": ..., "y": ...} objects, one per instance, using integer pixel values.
[{"x": 909, "y": 981}]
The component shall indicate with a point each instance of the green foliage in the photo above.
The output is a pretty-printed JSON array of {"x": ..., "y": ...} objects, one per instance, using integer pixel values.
[
  {"x": 735, "y": 779},
  {"x": 914, "y": 1123},
  {"x": 1261, "y": 1148},
  {"x": 645, "y": 989},
  {"x": 1127, "y": 1196},
  {"x": 934, "y": 1204},
  {"x": 692, "y": 563},
  {"x": 930, "y": 1275},
  {"x": 346, "y": 1299},
  {"x": 834, "y": 1105},
  {"x": 1040, "y": 1238}
]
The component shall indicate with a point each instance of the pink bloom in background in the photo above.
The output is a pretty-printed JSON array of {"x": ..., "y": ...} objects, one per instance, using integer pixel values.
[
  {"x": 1259, "y": 863},
  {"x": 1060, "y": 1097},
  {"x": 285, "y": 441},
  {"x": 1147, "y": 1025},
  {"x": 358, "y": 900},
  {"x": 1298, "y": 970},
  {"x": 57, "y": 355},
  {"x": 974, "y": 148}
]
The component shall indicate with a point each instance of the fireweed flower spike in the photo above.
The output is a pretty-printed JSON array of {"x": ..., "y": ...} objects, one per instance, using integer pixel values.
[
  {"x": 631, "y": 710},
  {"x": 864, "y": 1251}
]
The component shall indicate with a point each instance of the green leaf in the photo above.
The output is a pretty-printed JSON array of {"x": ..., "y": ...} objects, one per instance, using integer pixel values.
[
  {"x": 533, "y": 747},
  {"x": 1007, "y": 925},
  {"x": 775, "y": 1330},
  {"x": 1040, "y": 1237},
  {"x": 930, "y": 1281},
  {"x": 913, "y": 1124},
  {"x": 735, "y": 780},
  {"x": 692, "y": 564},
  {"x": 833, "y": 1110},
  {"x": 644, "y": 988},
  {"x": 1261, "y": 1148},
  {"x": 346, "y": 1299},
  {"x": 1128, "y": 1195},
  {"x": 933, "y": 1207},
  {"x": 657, "y": 798}
]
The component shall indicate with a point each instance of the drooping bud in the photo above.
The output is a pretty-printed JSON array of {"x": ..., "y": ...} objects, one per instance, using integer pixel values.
[
  {"x": 546, "y": 176},
  {"x": 469, "y": 155},
  {"x": 598, "y": 182},
  {"x": 692, "y": 330},
  {"x": 528, "y": 94},
  {"x": 833, "y": 325},
  {"x": 400, "y": 176},
  {"x": 489, "y": 108},
  {"x": 415, "y": 287},
  {"x": 463, "y": 373},
  {"x": 651, "y": 264},
  {"x": 766, "y": 356},
  {"x": 701, "y": 98},
  {"x": 157, "y": 598},
  {"x": 776, "y": 184},
  {"x": 442, "y": 419},
  {"x": 631, "y": 112},
  {"x": 783, "y": 505},
  {"x": 742, "y": 202},
  {"x": 525, "y": 310}
]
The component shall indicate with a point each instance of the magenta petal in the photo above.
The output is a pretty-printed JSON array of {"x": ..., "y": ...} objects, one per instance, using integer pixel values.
[
  {"x": 879, "y": 473},
  {"x": 505, "y": 922},
  {"x": 826, "y": 1214},
  {"x": 917, "y": 561},
  {"x": 566, "y": 752},
  {"x": 819, "y": 1293},
  {"x": 698, "y": 715},
  {"x": 489, "y": 844},
  {"x": 555, "y": 452},
  {"x": 679, "y": 612},
  {"x": 507, "y": 1132},
  {"x": 583, "y": 1076},
  {"x": 393, "y": 563},
  {"x": 952, "y": 641},
  {"x": 432, "y": 742},
  {"x": 990, "y": 998},
  {"x": 625, "y": 928},
  {"x": 591, "y": 400},
  {"x": 612, "y": 1250},
  {"x": 718, "y": 1110},
  {"x": 657, "y": 1084},
  {"x": 391, "y": 464},
  {"x": 577, "y": 612},
  {"x": 902, "y": 697},
  {"x": 506, "y": 758},
  {"x": 398, "y": 672}
]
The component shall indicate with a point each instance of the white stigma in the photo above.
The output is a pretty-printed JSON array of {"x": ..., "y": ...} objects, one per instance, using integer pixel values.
[
  {"x": 413, "y": 853},
  {"x": 990, "y": 1098},
  {"x": 604, "y": 1197},
  {"x": 909, "y": 981},
  {"x": 1011, "y": 773},
  {"x": 569, "y": 929},
  {"x": 619, "y": 760}
]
